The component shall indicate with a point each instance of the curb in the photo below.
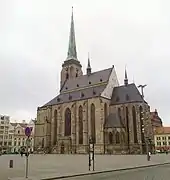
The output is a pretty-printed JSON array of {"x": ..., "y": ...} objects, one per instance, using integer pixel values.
[{"x": 105, "y": 171}]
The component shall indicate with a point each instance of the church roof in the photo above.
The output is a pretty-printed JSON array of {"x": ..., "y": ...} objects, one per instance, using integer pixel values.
[
  {"x": 113, "y": 121},
  {"x": 126, "y": 94},
  {"x": 82, "y": 87},
  {"x": 77, "y": 95},
  {"x": 84, "y": 81}
]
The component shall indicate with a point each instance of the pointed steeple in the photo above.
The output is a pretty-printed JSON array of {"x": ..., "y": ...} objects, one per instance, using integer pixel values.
[
  {"x": 126, "y": 78},
  {"x": 88, "y": 66},
  {"x": 72, "y": 53}
]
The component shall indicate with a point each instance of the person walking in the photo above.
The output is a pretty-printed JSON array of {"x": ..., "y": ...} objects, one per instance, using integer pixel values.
[{"x": 149, "y": 156}]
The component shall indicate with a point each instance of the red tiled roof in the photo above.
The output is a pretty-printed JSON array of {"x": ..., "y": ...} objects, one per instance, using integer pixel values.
[
  {"x": 162, "y": 130},
  {"x": 155, "y": 116}
]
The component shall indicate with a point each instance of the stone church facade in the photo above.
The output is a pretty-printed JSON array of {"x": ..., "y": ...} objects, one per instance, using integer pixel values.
[{"x": 94, "y": 105}]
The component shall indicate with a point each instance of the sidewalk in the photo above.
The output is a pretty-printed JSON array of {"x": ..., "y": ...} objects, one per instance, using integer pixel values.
[{"x": 54, "y": 166}]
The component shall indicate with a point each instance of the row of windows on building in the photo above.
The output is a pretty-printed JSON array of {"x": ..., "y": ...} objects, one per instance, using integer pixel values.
[
  {"x": 164, "y": 143},
  {"x": 163, "y": 138},
  {"x": 67, "y": 122},
  {"x": 5, "y": 137},
  {"x": 5, "y": 143}
]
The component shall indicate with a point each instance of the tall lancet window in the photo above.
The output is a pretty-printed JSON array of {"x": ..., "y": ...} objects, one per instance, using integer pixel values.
[
  {"x": 67, "y": 131},
  {"x": 80, "y": 125},
  {"x": 127, "y": 124},
  {"x": 105, "y": 112},
  {"x": 55, "y": 128},
  {"x": 134, "y": 125},
  {"x": 93, "y": 124}
]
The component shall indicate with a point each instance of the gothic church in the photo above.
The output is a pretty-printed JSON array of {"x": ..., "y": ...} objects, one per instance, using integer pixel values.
[{"x": 92, "y": 105}]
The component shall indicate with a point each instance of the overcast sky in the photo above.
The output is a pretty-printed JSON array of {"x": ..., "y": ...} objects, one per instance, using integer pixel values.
[{"x": 34, "y": 42}]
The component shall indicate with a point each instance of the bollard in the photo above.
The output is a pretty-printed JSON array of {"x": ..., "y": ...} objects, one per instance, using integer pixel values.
[{"x": 11, "y": 164}]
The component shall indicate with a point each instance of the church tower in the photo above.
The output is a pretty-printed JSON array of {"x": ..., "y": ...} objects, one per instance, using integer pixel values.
[{"x": 71, "y": 68}]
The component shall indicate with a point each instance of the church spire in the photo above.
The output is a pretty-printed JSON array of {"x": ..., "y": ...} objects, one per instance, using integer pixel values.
[
  {"x": 88, "y": 66},
  {"x": 72, "y": 53},
  {"x": 126, "y": 78}
]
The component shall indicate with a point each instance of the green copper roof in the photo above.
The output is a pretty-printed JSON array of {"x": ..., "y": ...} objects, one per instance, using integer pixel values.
[{"x": 72, "y": 53}]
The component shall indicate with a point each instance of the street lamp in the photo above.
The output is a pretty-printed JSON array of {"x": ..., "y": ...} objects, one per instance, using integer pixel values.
[{"x": 91, "y": 152}]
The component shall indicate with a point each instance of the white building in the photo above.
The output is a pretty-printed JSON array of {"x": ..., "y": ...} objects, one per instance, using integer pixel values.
[
  {"x": 5, "y": 139},
  {"x": 19, "y": 137},
  {"x": 12, "y": 135}
]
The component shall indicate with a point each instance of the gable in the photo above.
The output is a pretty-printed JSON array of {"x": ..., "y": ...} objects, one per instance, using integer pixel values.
[
  {"x": 18, "y": 126},
  {"x": 112, "y": 82}
]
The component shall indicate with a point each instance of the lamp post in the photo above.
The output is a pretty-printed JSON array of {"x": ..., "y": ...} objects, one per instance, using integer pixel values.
[
  {"x": 91, "y": 152},
  {"x": 144, "y": 130}
]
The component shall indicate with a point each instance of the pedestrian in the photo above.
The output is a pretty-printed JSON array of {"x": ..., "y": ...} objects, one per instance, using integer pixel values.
[{"x": 149, "y": 156}]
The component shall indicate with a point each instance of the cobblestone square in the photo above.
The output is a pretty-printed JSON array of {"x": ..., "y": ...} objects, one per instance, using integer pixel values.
[{"x": 58, "y": 165}]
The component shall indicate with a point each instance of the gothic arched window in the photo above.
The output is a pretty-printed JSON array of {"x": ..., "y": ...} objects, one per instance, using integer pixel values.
[
  {"x": 123, "y": 137},
  {"x": 134, "y": 125},
  {"x": 105, "y": 112},
  {"x": 117, "y": 137},
  {"x": 80, "y": 125},
  {"x": 67, "y": 131},
  {"x": 55, "y": 128},
  {"x": 110, "y": 138},
  {"x": 67, "y": 75},
  {"x": 93, "y": 124},
  {"x": 127, "y": 124}
]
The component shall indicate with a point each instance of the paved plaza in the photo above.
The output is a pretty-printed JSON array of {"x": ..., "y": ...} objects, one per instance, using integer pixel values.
[
  {"x": 58, "y": 165},
  {"x": 154, "y": 173}
]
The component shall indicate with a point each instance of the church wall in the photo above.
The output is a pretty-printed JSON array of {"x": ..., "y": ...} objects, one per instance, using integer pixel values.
[
  {"x": 134, "y": 148},
  {"x": 40, "y": 128},
  {"x": 99, "y": 105},
  {"x": 113, "y": 82},
  {"x": 115, "y": 147},
  {"x": 48, "y": 128},
  {"x": 44, "y": 128}
]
